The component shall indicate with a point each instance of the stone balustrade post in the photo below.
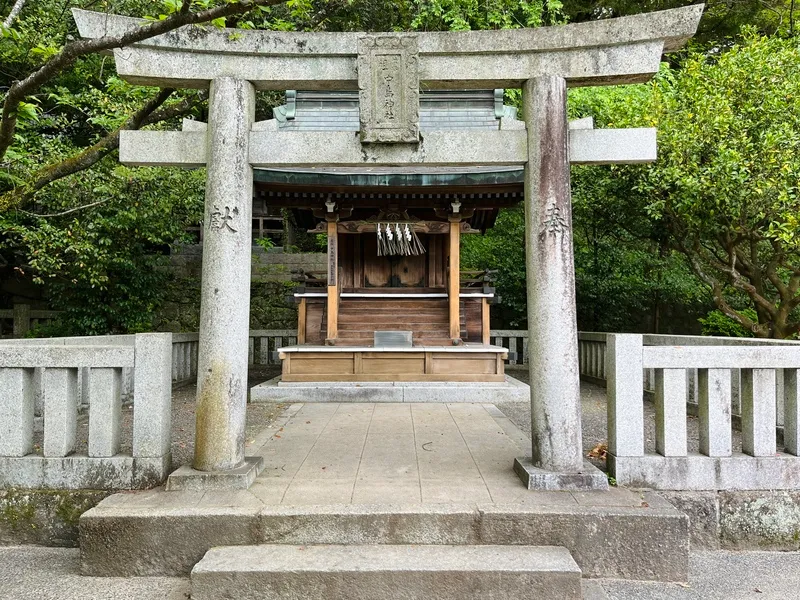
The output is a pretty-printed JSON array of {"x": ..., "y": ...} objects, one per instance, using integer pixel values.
[
  {"x": 625, "y": 395},
  {"x": 152, "y": 405},
  {"x": 16, "y": 411}
]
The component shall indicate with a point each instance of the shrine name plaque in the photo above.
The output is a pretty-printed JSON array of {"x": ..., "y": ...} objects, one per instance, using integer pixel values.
[{"x": 388, "y": 82}]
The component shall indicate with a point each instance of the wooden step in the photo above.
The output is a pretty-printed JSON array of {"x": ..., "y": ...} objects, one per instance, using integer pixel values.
[
  {"x": 369, "y": 335},
  {"x": 368, "y": 329},
  {"x": 408, "y": 572}
]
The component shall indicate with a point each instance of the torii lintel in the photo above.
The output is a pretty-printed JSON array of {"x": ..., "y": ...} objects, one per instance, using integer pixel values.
[{"x": 605, "y": 52}]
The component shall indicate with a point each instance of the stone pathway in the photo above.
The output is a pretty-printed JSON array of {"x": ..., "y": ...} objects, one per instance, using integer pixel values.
[
  {"x": 35, "y": 573},
  {"x": 386, "y": 453}
]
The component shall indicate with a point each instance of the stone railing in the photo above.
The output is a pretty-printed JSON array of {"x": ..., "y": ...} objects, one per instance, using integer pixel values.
[
  {"x": 61, "y": 374},
  {"x": 592, "y": 351},
  {"x": 17, "y": 321},
  {"x": 591, "y": 348},
  {"x": 264, "y": 344},
  {"x": 763, "y": 371},
  {"x": 184, "y": 358},
  {"x": 262, "y": 351}
]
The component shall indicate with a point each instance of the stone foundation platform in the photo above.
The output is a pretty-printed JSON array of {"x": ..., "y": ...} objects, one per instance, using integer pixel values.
[
  {"x": 375, "y": 474},
  {"x": 276, "y": 390}
]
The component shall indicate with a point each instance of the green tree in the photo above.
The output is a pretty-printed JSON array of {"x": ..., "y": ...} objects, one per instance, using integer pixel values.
[
  {"x": 724, "y": 191},
  {"x": 722, "y": 19},
  {"x": 726, "y": 188}
]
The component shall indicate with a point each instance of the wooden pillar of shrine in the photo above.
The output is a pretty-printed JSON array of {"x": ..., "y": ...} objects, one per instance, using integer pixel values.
[
  {"x": 454, "y": 281},
  {"x": 485, "y": 328},
  {"x": 333, "y": 281}
]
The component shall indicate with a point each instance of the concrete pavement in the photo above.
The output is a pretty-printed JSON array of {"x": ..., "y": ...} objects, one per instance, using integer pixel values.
[{"x": 36, "y": 573}]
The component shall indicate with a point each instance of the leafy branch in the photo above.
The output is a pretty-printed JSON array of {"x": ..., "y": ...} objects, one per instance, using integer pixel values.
[
  {"x": 151, "y": 112},
  {"x": 73, "y": 50}
]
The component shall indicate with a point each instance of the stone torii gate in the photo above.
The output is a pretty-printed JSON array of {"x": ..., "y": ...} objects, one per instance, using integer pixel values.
[{"x": 389, "y": 70}]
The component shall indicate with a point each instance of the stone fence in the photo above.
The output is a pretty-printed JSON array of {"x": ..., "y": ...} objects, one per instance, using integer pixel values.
[
  {"x": 17, "y": 321},
  {"x": 54, "y": 378},
  {"x": 46, "y": 382},
  {"x": 767, "y": 382}
]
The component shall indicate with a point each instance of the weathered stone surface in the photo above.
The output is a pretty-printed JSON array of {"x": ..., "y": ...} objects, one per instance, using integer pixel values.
[
  {"x": 791, "y": 426},
  {"x": 302, "y": 148},
  {"x": 274, "y": 390},
  {"x": 715, "y": 412},
  {"x": 702, "y": 508},
  {"x": 611, "y": 146},
  {"x": 116, "y": 542},
  {"x": 368, "y": 524},
  {"x": 225, "y": 299},
  {"x": 388, "y": 83},
  {"x": 152, "y": 415},
  {"x": 698, "y": 472},
  {"x": 552, "y": 325},
  {"x": 163, "y": 148},
  {"x": 684, "y": 356},
  {"x": 105, "y": 411},
  {"x": 16, "y": 411},
  {"x": 60, "y": 411},
  {"x": 625, "y": 397},
  {"x": 614, "y": 542},
  {"x": 186, "y": 478},
  {"x": 758, "y": 410},
  {"x": 670, "y": 401},
  {"x": 763, "y": 520},
  {"x": 534, "y": 478},
  {"x": 167, "y": 533},
  {"x": 344, "y": 148},
  {"x": 44, "y": 517},
  {"x": 82, "y": 472},
  {"x": 620, "y": 50},
  {"x": 59, "y": 356},
  {"x": 400, "y": 572}
]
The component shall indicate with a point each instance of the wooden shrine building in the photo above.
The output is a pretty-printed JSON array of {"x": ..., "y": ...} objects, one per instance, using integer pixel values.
[{"x": 394, "y": 237}]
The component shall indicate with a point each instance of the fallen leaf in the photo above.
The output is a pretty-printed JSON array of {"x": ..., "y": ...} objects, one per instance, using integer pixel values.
[{"x": 599, "y": 451}]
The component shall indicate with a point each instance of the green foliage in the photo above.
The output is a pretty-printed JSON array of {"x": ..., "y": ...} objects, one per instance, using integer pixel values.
[
  {"x": 721, "y": 23},
  {"x": 265, "y": 242},
  {"x": 502, "y": 248},
  {"x": 724, "y": 192},
  {"x": 719, "y": 324},
  {"x": 457, "y": 15},
  {"x": 102, "y": 266}
]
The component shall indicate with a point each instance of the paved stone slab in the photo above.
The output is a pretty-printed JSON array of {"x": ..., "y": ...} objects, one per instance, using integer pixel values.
[
  {"x": 275, "y": 390},
  {"x": 377, "y": 572}
]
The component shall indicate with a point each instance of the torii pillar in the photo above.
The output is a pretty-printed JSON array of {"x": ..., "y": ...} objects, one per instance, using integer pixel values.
[
  {"x": 225, "y": 288},
  {"x": 557, "y": 456}
]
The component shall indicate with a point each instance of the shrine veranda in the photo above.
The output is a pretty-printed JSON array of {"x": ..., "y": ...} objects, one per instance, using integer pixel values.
[{"x": 376, "y": 270}]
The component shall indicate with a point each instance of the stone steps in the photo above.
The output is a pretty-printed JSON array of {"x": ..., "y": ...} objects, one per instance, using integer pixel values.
[
  {"x": 167, "y": 533},
  {"x": 336, "y": 572}
]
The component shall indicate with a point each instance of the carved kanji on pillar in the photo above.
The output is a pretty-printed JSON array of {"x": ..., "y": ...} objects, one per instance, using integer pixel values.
[{"x": 388, "y": 82}]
